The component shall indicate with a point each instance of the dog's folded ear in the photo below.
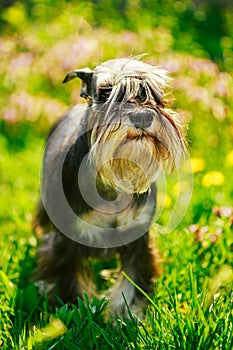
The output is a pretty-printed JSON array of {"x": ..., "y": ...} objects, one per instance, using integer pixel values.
[{"x": 86, "y": 75}]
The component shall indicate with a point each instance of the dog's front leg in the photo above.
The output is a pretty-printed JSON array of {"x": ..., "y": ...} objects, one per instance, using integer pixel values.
[
  {"x": 62, "y": 268},
  {"x": 139, "y": 260}
]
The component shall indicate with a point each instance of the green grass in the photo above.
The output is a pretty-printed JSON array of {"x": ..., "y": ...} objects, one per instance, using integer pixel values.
[{"x": 191, "y": 307}]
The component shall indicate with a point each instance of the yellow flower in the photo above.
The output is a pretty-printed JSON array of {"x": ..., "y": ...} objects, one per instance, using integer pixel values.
[
  {"x": 163, "y": 200},
  {"x": 198, "y": 164},
  {"x": 54, "y": 329},
  {"x": 184, "y": 307},
  {"x": 213, "y": 178},
  {"x": 181, "y": 187},
  {"x": 229, "y": 158},
  {"x": 194, "y": 165}
]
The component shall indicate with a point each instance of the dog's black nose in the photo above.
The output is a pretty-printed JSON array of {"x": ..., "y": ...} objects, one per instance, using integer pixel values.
[{"x": 141, "y": 119}]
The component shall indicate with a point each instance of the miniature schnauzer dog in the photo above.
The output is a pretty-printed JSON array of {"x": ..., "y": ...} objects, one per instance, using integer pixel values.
[{"x": 98, "y": 193}]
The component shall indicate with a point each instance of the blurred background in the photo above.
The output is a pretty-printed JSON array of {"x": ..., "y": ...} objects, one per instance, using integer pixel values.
[{"x": 40, "y": 41}]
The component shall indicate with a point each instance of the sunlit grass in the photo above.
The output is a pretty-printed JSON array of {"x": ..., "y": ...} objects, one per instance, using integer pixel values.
[{"x": 192, "y": 304}]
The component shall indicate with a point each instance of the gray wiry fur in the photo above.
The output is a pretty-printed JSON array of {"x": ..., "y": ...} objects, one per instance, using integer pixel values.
[{"x": 129, "y": 134}]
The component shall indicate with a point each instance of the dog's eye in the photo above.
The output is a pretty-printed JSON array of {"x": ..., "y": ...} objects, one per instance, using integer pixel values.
[
  {"x": 104, "y": 93},
  {"x": 142, "y": 95},
  {"x": 141, "y": 98}
]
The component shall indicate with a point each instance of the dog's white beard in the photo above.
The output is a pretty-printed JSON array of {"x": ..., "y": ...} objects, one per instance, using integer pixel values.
[{"x": 126, "y": 164}]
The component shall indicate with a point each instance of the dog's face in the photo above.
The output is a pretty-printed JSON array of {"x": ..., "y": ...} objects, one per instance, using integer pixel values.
[{"x": 133, "y": 135}]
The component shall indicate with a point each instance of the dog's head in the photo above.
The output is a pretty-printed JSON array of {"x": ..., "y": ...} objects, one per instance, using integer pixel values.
[{"x": 133, "y": 134}]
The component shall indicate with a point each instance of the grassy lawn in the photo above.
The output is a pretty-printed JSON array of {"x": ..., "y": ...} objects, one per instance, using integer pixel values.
[{"x": 191, "y": 307}]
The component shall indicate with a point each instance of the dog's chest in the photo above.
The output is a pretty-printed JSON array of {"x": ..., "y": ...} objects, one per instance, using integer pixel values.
[
  {"x": 109, "y": 216},
  {"x": 117, "y": 221}
]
